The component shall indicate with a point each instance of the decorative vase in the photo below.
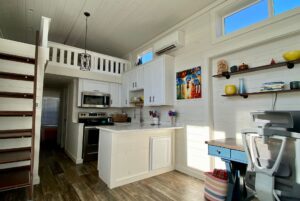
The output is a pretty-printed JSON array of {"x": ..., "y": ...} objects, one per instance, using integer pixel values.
[
  {"x": 155, "y": 120},
  {"x": 173, "y": 120},
  {"x": 242, "y": 88}
]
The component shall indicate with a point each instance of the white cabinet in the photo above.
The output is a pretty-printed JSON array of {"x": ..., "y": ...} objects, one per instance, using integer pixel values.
[
  {"x": 160, "y": 152},
  {"x": 159, "y": 81},
  {"x": 115, "y": 95},
  {"x": 93, "y": 85},
  {"x": 129, "y": 157},
  {"x": 136, "y": 78},
  {"x": 125, "y": 102}
]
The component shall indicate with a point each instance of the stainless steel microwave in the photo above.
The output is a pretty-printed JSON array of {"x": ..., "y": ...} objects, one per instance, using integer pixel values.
[{"x": 94, "y": 99}]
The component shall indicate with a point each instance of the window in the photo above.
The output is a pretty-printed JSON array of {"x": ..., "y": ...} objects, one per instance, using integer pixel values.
[
  {"x": 145, "y": 57},
  {"x": 245, "y": 17},
  {"x": 254, "y": 12},
  {"x": 281, "y": 6}
]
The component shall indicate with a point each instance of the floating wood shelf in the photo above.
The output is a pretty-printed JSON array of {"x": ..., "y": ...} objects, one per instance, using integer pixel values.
[
  {"x": 262, "y": 92},
  {"x": 15, "y": 155},
  {"x": 16, "y": 95},
  {"x": 16, "y": 76},
  {"x": 137, "y": 103},
  {"x": 14, "y": 178},
  {"x": 16, "y": 113},
  {"x": 11, "y": 57},
  {"x": 5, "y": 134},
  {"x": 288, "y": 64}
]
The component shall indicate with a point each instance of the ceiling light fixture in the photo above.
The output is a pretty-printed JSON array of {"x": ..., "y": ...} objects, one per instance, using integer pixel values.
[{"x": 85, "y": 59}]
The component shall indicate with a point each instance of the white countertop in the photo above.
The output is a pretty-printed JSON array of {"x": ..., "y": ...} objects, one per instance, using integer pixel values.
[{"x": 137, "y": 127}]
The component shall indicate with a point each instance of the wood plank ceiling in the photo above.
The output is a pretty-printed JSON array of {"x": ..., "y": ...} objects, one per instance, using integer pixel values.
[{"x": 115, "y": 26}]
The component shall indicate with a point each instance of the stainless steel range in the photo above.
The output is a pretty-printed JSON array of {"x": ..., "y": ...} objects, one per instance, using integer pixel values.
[{"x": 91, "y": 134}]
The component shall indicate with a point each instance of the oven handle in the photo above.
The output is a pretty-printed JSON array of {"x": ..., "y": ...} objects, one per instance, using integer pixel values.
[{"x": 89, "y": 127}]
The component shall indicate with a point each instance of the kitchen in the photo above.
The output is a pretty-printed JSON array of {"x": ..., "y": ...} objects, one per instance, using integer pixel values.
[{"x": 139, "y": 109}]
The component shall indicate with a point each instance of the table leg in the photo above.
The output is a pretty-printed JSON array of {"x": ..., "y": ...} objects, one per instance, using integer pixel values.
[{"x": 231, "y": 180}]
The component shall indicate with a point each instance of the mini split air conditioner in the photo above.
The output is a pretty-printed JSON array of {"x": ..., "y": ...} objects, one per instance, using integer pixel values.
[{"x": 170, "y": 42}]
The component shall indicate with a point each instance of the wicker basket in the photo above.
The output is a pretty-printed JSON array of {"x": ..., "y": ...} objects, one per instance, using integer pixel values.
[
  {"x": 119, "y": 118},
  {"x": 215, "y": 187}
]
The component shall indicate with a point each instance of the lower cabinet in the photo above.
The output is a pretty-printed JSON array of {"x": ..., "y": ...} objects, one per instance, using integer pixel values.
[
  {"x": 134, "y": 155},
  {"x": 160, "y": 152}
]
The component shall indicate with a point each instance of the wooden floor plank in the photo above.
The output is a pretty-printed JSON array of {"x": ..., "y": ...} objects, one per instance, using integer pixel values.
[{"x": 62, "y": 180}]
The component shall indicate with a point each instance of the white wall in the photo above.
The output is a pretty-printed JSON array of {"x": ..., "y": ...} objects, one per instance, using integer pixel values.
[{"x": 214, "y": 116}]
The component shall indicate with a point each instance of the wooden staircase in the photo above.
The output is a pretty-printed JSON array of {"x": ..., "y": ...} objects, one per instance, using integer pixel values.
[{"x": 13, "y": 173}]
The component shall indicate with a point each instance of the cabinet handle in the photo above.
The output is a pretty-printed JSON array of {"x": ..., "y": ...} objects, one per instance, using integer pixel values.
[
  {"x": 150, "y": 99},
  {"x": 153, "y": 98},
  {"x": 133, "y": 85},
  {"x": 111, "y": 101}
]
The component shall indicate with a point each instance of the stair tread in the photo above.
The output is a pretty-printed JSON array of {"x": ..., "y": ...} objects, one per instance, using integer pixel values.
[
  {"x": 4, "y": 134},
  {"x": 13, "y": 178},
  {"x": 16, "y": 95},
  {"x": 15, "y": 155},
  {"x": 12, "y": 57},
  {"x": 15, "y": 113},
  {"x": 16, "y": 76}
]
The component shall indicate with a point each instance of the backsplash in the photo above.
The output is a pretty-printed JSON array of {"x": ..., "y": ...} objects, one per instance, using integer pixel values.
[{"x": 134, "y": 113}]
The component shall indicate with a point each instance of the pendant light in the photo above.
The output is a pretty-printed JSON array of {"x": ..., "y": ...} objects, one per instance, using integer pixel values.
[{"x": 85, "y": 59}]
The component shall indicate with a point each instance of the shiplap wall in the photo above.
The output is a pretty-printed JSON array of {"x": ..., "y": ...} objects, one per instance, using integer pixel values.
[
  {"x": 214, "y": 116},
  {"x": 233, "y": 114}
]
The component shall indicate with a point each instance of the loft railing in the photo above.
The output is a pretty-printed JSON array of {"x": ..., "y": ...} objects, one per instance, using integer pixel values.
[{"x": 68, "y": 56}]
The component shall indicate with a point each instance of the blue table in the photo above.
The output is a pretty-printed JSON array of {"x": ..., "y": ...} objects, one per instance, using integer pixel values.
[{"x": 231, "y": 151}]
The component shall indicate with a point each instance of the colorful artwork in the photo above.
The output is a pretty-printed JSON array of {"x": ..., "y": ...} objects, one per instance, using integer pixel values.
[{"x": 188, "y": 84}]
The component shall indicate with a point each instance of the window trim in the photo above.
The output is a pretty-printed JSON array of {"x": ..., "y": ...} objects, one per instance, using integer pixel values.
[{"x": 219, "y": 11}]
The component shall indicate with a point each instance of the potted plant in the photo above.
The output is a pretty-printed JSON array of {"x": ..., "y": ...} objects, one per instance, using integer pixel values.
[
  {"x": 155, "y": 117},
  {"x": 172, "y": 115}
]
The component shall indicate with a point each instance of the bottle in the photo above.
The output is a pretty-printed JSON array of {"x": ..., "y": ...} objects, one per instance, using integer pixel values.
[{"x": 242, "y": 88}]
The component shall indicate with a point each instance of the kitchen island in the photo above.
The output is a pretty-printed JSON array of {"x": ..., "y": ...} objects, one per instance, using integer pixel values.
[{"x": 132, "y": 152}]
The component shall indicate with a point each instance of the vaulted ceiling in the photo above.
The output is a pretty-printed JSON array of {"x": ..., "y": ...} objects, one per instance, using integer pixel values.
[{"x": 115, "y": 26}]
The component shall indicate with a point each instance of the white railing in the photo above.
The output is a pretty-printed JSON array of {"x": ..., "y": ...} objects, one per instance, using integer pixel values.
[{"x": 68, "y": 56}]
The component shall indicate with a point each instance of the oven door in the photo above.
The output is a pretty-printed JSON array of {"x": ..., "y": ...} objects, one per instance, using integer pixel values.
[
  {"x": 90, "y": 143},
  {"x": 95, "y": 100}
]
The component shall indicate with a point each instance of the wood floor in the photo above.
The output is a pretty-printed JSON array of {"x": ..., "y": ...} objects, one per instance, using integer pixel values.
[{"x": 62, "y": 180}]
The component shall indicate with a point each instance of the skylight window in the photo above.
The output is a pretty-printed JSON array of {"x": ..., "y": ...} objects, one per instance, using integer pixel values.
[
  {"x": 245, "y": 17},
  {"x": 281, "y": 6}
]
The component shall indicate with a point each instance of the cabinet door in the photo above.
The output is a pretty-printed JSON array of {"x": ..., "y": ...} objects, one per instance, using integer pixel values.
[
  {"x": 147, "y": 85},
  {"x": 93, "y": 85},
  {"x": 125, "y": 90},
  {"x": 158, "y": 82},
  {"x": 160, "y": 152},
  {"x": 131, "y": 79},
  {"x": 140, "y": 78},
  {"x": 115, "y": 96}
]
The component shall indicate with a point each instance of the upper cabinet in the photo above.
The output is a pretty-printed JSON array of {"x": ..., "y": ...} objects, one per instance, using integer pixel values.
[
  {"x": 115, "y": 95},
  {"x": 159, "y": 81},
  {"x": 126, "y": 82},
  {"x": 136, "y": 78}
]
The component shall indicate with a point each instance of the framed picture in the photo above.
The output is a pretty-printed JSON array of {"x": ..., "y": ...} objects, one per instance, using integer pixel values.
[{"x": 188, "y": 84}]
